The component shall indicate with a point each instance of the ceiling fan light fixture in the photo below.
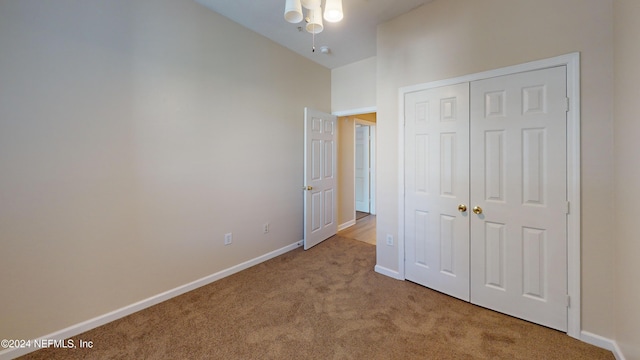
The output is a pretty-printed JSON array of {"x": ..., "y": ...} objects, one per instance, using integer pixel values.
[
  {"x": 333, "y": 10},
  {"x": 314, "y": 21},
  {"x": 293, "y": 11},
  {"x": 293, "y": 14}
]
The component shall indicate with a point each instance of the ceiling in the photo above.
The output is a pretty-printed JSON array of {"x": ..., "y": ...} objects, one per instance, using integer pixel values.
[{"x": 350, "y": 40}]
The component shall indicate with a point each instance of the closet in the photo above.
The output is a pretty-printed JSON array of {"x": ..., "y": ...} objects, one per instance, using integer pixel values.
[{"x": 485, "y": 192}]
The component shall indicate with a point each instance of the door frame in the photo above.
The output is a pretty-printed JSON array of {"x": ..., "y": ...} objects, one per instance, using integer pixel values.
[
  {"x": 355, "y": 112},
  {"x": 372, "y": 161},
  {"x": 572, "y": 62}
]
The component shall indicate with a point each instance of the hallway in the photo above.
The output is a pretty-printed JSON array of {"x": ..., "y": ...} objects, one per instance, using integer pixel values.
[{"x": 364, "y": 230}]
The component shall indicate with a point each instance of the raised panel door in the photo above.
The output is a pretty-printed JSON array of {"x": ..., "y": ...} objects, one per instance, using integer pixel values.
[
  {"x": 436, "y": 182},
  {"x": 319, "y": 175},
  {"x": 518, "y": 179}
]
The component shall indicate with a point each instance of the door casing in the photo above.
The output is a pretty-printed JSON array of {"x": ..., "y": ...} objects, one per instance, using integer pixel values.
[
  {"x": 362, "y": 158},
  {"x": 372, "y": 162},
  {"x": 572, "y": 62}
]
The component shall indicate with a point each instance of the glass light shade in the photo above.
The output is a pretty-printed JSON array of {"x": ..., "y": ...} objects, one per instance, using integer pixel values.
[
  {"x": 333, "y": 10},
  {"x": 293, "y": 11},
  {"x": 311, "y": 4},
  {"x": 314, "y": 25}
]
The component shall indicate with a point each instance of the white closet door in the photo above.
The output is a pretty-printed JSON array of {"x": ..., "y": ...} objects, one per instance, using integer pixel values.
[
  {"x": 518, "y": 179},
  {"x": 436, "y": 183}
]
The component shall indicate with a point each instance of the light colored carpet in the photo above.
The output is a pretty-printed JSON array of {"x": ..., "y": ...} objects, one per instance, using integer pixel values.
[{"x": 324, "y": 303}]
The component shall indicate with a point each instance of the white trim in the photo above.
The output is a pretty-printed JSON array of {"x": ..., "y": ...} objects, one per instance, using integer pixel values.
[
  {"x": 373, "y": 158},
  {"x": 568, "y": 59},
  {"x": 572, "y": 62},
  {"x": 346, "y": 225},
  {"x": 357, "y": 120},
  {"x": 388, "y": 272},
  {"x": 602, "y": 342},
  {"x": 400, "y": 238},
  {"x": 364, "y": 110},
  {"x": 143, "y": 304}
]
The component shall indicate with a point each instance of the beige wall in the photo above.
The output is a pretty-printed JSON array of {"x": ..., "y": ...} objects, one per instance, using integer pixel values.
[
  {"x": 627, "y": 176},
  {"x": 450, "y": 38},
  {"x": 353, "y": 86},
  {"x": 133, "y": 135},
  {"x": 346, "y": 170}
]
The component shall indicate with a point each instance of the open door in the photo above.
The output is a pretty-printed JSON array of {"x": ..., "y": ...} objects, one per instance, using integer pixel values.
[
  {"x": 362, "y": 169},
  {"x": 319, "y": 177}
]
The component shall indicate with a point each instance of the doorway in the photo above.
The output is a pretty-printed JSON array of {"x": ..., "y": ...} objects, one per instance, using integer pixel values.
[{"x": 356, "y": 168}]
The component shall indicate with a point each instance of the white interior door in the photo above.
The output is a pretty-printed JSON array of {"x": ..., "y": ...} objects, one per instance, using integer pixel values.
[
  {"x": 505, "y": 157},
  {"x": 319, "y": 176},
  {"x": 362, "y": 167},
  {"x": 518, "y": 179},
  {"x": 436, "y": 184}
]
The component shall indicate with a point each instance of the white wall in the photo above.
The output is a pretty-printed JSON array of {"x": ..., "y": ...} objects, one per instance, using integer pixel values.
[
  {"x": 627, "y": 176},
  {"x": 450, "y": 38},
  {"x": 353, "y": 86},
  {"x": 133, "y": 135}
]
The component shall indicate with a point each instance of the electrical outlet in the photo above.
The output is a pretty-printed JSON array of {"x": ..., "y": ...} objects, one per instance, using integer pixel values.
[
  {"x": 265, "y": 228},
  {"x": 389, "y": 239},
  {"x": 228, "y": 238}
]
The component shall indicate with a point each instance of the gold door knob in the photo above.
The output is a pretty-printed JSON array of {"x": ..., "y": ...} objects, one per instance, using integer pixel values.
[
  {"x": 477, "y": 210},
  {"x": 462, "y": 207},
  {"x": 309, "y": 187}
]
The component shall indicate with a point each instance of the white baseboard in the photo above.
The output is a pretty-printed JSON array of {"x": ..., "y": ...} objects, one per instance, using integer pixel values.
[
  {"x": 346, "y": 225},
  {"x": 143, "y": 304},
  {"x": 388, "y": 272},
  {"x": 602, "y": 342}
]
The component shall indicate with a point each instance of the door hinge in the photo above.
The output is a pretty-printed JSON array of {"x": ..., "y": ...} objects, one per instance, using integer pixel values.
[
  {"x": 567, "y": 103},
  {"x": 568, "y": 301},
  {"x": 568, "y": 207}
]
